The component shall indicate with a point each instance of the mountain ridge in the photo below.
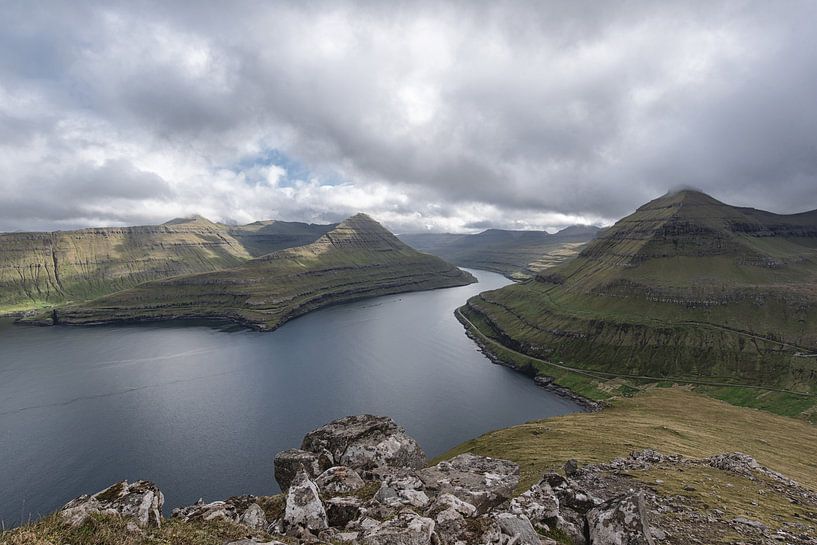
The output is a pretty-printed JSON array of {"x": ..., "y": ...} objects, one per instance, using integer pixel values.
[
  {"x": 359, "y": 258},
  {"x": 517, "y": 254},
  {"x": 685, "y": 287}
]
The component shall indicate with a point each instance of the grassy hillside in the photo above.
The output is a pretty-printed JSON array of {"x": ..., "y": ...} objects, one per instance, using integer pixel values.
[
  {"x": 670, "y": 420},
  {"x": 686, "y": 288},
  {"x": 357, "y": 259},
  {"x": 41, "y": 269},
  {"x": 519, "y": 253}
]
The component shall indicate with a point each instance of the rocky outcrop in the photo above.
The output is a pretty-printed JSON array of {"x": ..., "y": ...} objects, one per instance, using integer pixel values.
[
  {"x": 243, "y": 510},
  {"x": 482, "y": 482},
  {"x": 140, "y": 501},
  {"x": 304, "y": 508},
  {"x": 365, "y": 442},
  {"x": 620, "y": 521},
  {"x": 289, "y": 462},
  {"x": 472, "y": 499}
]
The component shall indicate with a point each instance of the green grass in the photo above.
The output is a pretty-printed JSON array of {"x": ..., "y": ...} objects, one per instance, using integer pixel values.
[{"x": 671, "y": 420}]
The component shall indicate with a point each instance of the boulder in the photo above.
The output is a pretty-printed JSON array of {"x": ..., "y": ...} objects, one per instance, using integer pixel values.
[
  {"x": 339, "y": 480},
  {"x": 402, "y": 488},
  {"x": 539, "y": 504},
  {"x": 450, "y": 514},
  {"x": 254, "y": 518},
  {"x": 483, "y": 482},
  {"x": 620, "y": 521},
  {"x": 141, "y": 501},
  {"x": 289, "y": 462},
  {"x": 407, "y": 528},
  {"x": 241, "y": 509},
  {"x": 303, "y": 507},
  {"x": 342, "y": 510},
  {"x": 365, "y": 442},
  {"x": 517, "y": 528},
  {"x": 216, "y": 510}
]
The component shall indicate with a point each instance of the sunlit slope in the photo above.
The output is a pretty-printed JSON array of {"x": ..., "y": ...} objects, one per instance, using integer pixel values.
[
  {"x": 41, "y": 269},
  {"x": 357, "y": 259},
  {"x": 503, "y": 251},
  {"x": 685, "y": 287}
]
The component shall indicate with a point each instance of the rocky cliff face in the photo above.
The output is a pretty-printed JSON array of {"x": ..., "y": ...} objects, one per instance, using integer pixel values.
[
  {"x": 363, "y": 482},
  {"x": 48, "y": 268},
  {"x": 356, "y": 259}
]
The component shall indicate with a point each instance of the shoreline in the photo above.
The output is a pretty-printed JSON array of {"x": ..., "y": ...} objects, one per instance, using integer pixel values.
[{"x": 542, "y": 381}]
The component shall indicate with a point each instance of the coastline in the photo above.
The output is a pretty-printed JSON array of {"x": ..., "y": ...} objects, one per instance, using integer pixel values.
[{"x": 542, "y": 381}]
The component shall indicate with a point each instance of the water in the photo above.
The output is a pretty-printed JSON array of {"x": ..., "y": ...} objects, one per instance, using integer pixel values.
[{"x": 202, "y": 410}]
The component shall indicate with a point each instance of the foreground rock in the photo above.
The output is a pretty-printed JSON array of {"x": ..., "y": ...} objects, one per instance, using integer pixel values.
[
  {"x": 243, "y": 510},
  {"x": 140, "y": 501},
  {"x": 304, "y": 508},
  {"x": 482, "y": 482},
  {"x": 380, "y": 497},
  {"x": 365, "y": 442}
]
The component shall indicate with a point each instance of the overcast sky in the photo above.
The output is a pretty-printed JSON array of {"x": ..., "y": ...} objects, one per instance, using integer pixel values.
[{"x": 428, "y": 116}]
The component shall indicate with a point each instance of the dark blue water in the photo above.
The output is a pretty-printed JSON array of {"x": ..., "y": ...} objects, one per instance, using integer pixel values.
[{"x": 202, "y": 410}]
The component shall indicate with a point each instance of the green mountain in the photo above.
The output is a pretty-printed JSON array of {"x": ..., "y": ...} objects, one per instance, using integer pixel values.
[
  {"x": 356, "y": 259},
  {"x": 687, "y": 288},
  {"x": 41, "y": 269},
  {"x": 518, "y": 253}
]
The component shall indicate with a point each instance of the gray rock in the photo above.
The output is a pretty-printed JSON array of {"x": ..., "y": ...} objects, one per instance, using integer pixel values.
[
  {"x": 483, "y": 482},
  {"x": 303, "y": 507},
  {"x": 539, "y": 504},
  {"x": 518, "y": 528},
  {"x": 289, "y": 462},
  {"x": 339, "y": 480},
  {"x": 571, "y": 467},
  {"x": 142, "y": 501},
  {"x": 620, "y": 521},
  {"x": 342, "y": 510},
  {"x": 254, "y": 518},
  {"x": 401, "y": 489},
  {"x": 365, "y": 442},
  {"x": 216, "y": 510},
  {"x": 407, "y": 528}
]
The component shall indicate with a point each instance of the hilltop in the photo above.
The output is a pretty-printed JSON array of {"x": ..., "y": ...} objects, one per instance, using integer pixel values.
[
  {"x": 513, "y": 253},
  {"x": 358, "y": 258},
  {"x": 687, "y": 288},
  {"x": 40, "y": 269}
]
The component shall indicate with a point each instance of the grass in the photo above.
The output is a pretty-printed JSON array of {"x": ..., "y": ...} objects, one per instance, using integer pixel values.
[
  {"x": 111, "y": 530},
  {"x": 671, "y": 420}
]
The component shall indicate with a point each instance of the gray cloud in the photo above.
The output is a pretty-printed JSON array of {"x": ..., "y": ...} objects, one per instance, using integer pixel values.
[{"x": 427, "y": 116}]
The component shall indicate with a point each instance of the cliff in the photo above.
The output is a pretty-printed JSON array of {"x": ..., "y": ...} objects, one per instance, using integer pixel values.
[{"x": 356, "y": 259}]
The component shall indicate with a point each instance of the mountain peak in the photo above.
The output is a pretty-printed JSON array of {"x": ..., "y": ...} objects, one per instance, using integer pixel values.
[
  {"x": 362, "y": 231},
  {"x": 194, "y": 219}
]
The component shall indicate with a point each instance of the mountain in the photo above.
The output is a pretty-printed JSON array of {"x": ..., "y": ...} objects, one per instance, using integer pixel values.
[
  {"x": 263, "y": 237},
  {"x": 504, "y": 251},
  {"x": 686, "y": 287},
  {"x": 356, "y": 259},
  {"x": 40, "y": 269}
]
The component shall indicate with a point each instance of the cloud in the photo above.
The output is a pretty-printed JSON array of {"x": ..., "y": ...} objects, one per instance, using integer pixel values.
[{"x": 425, "y": 115}]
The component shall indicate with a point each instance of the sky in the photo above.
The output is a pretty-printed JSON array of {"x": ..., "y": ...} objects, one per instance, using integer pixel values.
[{"x": 429, "y": 116}]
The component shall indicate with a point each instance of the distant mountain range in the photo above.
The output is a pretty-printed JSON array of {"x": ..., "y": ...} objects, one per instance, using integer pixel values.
[
  {"x": 356, "y": 258},
  {"x": 687, "y": 286},
  {"x": 519, "y": 253}
]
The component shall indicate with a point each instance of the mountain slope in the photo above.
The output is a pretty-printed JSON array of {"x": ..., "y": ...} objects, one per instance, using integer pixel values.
[
  {"x": 39, "y": 269},
  {"x": 687, "y": 287},
  {"x": 356, "y": 259},
  {"x": 503, "y": 251}
]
